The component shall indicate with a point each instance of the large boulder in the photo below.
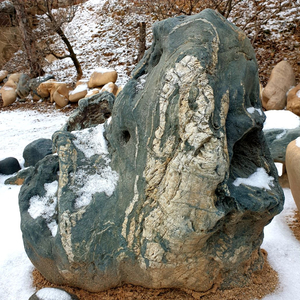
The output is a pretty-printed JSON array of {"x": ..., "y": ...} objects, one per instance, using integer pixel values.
[
  {"x": 274, "y": 95},
  {"x": 36, "y": 150},
  {"x": 176, "y": 188},
  {"x": 9, "y": 166},
  {"x": 293, "y": 169}
]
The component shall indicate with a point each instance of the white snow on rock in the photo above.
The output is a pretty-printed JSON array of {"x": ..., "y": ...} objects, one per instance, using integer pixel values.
[
  {"x": 79, "y": 88},
  {"x": 258, "y": 179},
  {"x": 53, "y": 294},
  {"x": 105, "y": 180},
  {"x": 298, "y": 94},
  {"x": 91, "y": 141},
  {"x": 101, "y": 70},
  {"x": 251, "y": 110},
  {"x": 298, "y": 142},
  {"x": 281, "y": 119},
  {"x": 45, "y": 206}
]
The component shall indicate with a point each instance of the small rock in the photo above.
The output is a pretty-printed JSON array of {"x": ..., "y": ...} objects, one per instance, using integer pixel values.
[{"x": 9, "y": 165}]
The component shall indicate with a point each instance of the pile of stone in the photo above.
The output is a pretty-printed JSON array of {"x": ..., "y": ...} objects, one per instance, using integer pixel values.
[{"x": 21, "y": 86}]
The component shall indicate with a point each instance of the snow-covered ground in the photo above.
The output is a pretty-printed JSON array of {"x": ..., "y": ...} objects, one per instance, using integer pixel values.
[{"x": 18, "y": 128}]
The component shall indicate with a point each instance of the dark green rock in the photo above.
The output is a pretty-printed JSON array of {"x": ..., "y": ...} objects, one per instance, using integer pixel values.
[
  {"x": 9, "y": 166},
  {"x": 23, "y": 88},
  {"x": 168, "y": 203},
  {"x": 36, "y": 151},
  {"x": 278, "y": 140}
]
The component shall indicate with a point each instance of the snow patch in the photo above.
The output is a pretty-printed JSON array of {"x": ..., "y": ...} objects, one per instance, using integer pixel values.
[
  {"x": 258, "y": 179},
  {"x": 281, "y": 119},
  {"x": 7, "y": 88},
  {"x": 80, "y": 88},
  {"x": 103, "y": 70},
  {"x": 251, "y": 110},
  {"x": 298, "y": 142},
  {"x": 298, "y": 94},
  {"x": 91, "y": 141},
  {"x": 45, "y": 206},
  {"x": 105, "y": 180},
  {"x": 141, "y": 82},
  {"x": 52, "y": 293}
]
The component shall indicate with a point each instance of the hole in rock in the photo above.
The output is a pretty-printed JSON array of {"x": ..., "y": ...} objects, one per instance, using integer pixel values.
[{"x": 125, "y": 136}]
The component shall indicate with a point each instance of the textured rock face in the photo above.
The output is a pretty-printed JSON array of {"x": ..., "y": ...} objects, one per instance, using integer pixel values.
[{"x": 171, "y": 201}]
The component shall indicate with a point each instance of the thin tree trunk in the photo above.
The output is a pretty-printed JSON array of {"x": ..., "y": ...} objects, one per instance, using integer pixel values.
[
  {"x": 28, "y": 40},
  {"x": 62, "y": 35},
  {"x": 71, "y": 51},
  {"x": 142, "y": 40}
]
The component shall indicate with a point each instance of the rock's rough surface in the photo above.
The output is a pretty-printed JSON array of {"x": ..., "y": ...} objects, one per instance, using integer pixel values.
[
  {"x": 36, "y": 151},
  {"x": 91, "y": 112},
  {"x": 170, "y": 201},
  {"x": 9, "y": 166}
]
